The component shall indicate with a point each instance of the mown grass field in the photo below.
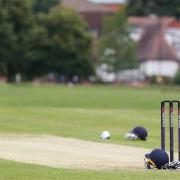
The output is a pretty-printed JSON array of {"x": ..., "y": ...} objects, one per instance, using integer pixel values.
[
  {"x": 82, "y": 112},
  {"x": 12, "y": 170}
]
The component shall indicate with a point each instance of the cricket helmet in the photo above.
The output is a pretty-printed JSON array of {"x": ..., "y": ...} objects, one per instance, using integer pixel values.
[
  {"x": 156, "y": 159},
  {"x": 138, "y": 132},
  {"x": 141, "y": 132}
]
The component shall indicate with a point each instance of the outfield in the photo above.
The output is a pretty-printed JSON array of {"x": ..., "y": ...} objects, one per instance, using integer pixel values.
[{"x": 81, "y": 112}]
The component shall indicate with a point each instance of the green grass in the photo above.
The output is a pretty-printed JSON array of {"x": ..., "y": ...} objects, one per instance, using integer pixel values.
[
  {"x": 11, "y": 170},
  {"x": 81, "y": 112},
  {"x": 101, "y": 97},
  {"x": 81, "y": 123}
]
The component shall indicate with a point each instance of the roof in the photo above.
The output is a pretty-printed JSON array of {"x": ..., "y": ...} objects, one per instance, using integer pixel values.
[
  {"x": 84, "y": 6},
  {"x": 147, "y": 21},
  {"x": 174, "y": 24},
  {"x": 110, "y": 1},
  {"x": 114, "y": 7},
  {"x": 153, "y": 45}
]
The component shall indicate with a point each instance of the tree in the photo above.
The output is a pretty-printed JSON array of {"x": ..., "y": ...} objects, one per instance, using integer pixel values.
[
  {"x": 63, "y": 44},
  {"x": 176, "y": 79},
  {"x": 44, "y": 5},
  {"x": 158, "y": 7},
  {"x": 15, "y": 24},
  {"x": 56, "y": 41},
  {"x": 116, "y": 48}
]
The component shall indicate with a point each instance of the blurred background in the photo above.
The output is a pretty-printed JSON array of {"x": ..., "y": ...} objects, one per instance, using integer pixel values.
[{"x": 135, "y": 42}]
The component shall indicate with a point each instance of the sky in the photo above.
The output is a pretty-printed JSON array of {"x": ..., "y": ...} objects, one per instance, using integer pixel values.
[{"x": 109, "y": 1}]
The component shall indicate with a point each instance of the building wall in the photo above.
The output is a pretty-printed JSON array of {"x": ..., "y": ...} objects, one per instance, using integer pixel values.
[
  {"x": 165, "y": 68},
  {"x": 172, "y": 36},
  {"x": 95, "y": 21}
]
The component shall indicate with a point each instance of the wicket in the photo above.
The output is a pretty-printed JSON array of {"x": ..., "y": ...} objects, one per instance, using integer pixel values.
[{"x": 171, "y": 127}]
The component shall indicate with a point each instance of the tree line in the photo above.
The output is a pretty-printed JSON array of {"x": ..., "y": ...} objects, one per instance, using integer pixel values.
[
  {"x": 156, "y": 7},
  {"x": 38, "y": 37},
  {"x": 42, "y": 36}
]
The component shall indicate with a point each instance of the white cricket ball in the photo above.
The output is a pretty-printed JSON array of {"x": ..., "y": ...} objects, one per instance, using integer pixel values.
[{"x": 105, "y": 135}]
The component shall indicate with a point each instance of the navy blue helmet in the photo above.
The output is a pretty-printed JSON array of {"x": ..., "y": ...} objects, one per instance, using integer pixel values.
[
  {"x": 158, "y": 158},
  {"x": 138, "y": 132},
  {"x": 141, "y": 132}
]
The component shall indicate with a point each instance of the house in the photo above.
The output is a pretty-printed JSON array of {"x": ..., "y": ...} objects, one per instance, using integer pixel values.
[
  {"x": 92, "y": 13},
  {"x": 158, "y": 39},
  {"x": 158, "y": 45},
  {"x": 158, "y": 50}
]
